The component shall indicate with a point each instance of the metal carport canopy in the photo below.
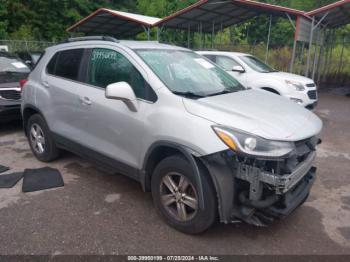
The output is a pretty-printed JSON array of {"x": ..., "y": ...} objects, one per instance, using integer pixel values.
[
  {"x": 114, "y": 23},
  {"x": 213, "y": 15},
  {"x": 333, "y": 15}
]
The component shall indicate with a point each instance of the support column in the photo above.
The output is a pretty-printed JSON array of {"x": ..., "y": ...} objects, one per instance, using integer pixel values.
[
  {"x": 147, "y": 31},
  {"x": 341, "y": 56},
  {"x": 310, "y": 47},
  {"x": 200, "y": 36},
  {"x": 316, "y": 58},
  {"x": 221, "y": 33},
  {"x": 302, "y": 57},
  {"x": 294, "y": 44},
  {"x": 293, "y": 57},
  {"x": 320, "y": 60},
  {"x": 212, "y": 35},
  {"x": 188, "y": 36},
  {"x": 268, "y": 40},
  {"x": 159, "y": 32},
  {"x": 329, "y": 55},
  {"x": 313, "y": 27}
]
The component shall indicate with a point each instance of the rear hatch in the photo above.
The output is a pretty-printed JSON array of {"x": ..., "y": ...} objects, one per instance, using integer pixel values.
[{"x": 12, "y": 70}]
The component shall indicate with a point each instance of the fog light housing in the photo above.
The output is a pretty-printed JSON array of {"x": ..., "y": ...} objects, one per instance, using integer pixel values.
[{"x": 296, "y": 100}]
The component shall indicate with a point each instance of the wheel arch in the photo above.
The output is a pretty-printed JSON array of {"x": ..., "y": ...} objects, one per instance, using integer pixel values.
[
  {"x": 162, "y": 149},
  {"x": 272, "y": 90},
  {"x": 27, "y": 112}
]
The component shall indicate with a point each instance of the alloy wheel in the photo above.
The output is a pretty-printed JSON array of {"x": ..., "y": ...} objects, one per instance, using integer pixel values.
[
  {"x": 178, "y": 196},
  {"x": 37, "y": 138}
]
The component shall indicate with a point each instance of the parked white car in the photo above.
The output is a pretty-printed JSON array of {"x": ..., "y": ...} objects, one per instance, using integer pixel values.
[{"x": 253, "y": 73}]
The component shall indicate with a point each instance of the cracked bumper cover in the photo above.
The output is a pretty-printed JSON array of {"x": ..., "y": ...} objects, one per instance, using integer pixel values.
[{"x": 285, "y": 191}]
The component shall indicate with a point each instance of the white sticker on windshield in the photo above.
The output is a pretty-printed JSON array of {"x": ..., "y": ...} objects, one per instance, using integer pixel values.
[
  {"x": 19, "y": 65},
  {"x": 204, "y": 63}
]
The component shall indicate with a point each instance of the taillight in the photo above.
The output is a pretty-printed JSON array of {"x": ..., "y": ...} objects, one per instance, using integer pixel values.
[{"x": 22, "y": 83}]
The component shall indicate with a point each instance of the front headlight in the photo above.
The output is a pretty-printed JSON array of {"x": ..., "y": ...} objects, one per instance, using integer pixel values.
[
  {"x": 248, "y": 144},
  {"x": 297, "y": 85}
]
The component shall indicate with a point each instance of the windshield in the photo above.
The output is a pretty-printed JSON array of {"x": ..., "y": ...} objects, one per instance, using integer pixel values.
[
  {"x": 189, "y": 74},
  {"x": 257, "y": 65}
]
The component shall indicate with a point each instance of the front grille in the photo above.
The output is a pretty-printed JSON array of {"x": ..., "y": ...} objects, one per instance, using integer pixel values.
[
  {"x": 311, "y": 85},
  {"x": 10, "y": 94},
  {"x": 312, "y": 94}
]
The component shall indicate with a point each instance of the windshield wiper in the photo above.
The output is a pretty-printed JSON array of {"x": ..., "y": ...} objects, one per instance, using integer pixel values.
[
  {"x": 187, "y": 94},
  {"x": 221, "y": 92}
]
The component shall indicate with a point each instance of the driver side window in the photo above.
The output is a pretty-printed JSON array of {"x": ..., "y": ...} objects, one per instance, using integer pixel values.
[
  {"x": 108, "y": 66},
  {"x": 226, "y": 63}
]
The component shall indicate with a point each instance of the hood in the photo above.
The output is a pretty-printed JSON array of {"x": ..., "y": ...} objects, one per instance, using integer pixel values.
[
  {"x": 258, "y": 112},
  {"x": 291, "y": 77}
]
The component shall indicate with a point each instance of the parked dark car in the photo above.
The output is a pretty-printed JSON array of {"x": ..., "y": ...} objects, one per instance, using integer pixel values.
[
  {"x": 13, "y": 73},
  {"x": 29, "y": 58}
]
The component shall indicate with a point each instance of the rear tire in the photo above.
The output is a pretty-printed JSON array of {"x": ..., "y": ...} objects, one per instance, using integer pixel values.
[
  {"x": 175, "y": 196},
  {"x": 40, "y": 139}
]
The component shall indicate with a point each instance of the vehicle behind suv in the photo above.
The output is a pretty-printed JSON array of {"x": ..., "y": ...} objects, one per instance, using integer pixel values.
[
  {"x": 254, "y": 73},
  {"x": 205, "y": 147},
  {"x": 12, "y": 72}
]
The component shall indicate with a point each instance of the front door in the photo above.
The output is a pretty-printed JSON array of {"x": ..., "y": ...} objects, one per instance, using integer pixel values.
[{"x": 108, "y": 126}]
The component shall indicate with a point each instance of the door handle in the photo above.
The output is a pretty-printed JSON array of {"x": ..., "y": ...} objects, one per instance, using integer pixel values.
[{"x": 85, "y": 100}]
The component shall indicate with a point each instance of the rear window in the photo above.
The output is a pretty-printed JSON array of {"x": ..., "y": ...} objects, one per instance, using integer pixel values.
[
  {"x": 38, "y": 60},
  {"x": 66, "y": 64},
  {"x": 51, "y": 66}
]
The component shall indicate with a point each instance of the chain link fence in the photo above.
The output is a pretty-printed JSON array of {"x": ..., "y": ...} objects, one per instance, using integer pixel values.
[
  {"x": 14, "y": 46},
  {"x": 331, "y": 62},
  {"x": 333, "y": 67}
]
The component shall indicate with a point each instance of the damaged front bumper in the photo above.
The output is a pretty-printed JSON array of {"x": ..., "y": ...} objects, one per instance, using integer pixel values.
[
  {"x": 280, "y": 183},
  {"x": 257, "y": 191}
]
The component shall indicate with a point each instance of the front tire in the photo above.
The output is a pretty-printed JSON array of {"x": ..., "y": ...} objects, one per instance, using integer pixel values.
[
  {"x": 175, "y": 195},
  {"x": 40, "y": 139}
]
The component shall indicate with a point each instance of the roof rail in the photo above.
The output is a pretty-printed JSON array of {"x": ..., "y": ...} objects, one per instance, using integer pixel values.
[{"x": 90, "y": 38}]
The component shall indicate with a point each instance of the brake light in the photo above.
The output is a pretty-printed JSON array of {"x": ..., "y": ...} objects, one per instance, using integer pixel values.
[{"x": 22, "y": 83}]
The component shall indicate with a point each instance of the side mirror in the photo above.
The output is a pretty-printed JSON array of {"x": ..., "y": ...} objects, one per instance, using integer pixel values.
[
  {"x": 28, "y": 62},
  {"x": 238, "y": 69},
  {"x": 124, "y": 92}
]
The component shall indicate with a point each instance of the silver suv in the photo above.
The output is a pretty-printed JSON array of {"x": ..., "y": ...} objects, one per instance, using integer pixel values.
[{"x": 167, "y": 117}]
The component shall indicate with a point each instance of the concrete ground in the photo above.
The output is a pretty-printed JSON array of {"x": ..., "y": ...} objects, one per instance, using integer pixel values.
[{"x": 101, "y": 213}]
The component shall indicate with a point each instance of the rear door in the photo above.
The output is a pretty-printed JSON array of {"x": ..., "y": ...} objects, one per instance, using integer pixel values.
[
  {"x": 108, "y": 126},
  {"x": 61, "y": 82}
]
